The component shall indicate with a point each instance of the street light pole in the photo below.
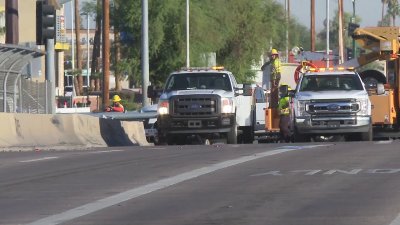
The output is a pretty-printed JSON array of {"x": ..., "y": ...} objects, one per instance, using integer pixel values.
[
  {"x": 187, "y": 35},
  {"x": 88, "y": 55},
  {"x": 327, "y": 33},
  {"x": 145, "y": 51},
  {"x": 353, "y": 20},
  {"x": 72, "y": 37}
]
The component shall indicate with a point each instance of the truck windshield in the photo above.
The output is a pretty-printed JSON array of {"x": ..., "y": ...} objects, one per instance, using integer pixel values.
[
  {"x": 189, "y": 81},
  {"x": 342, "y": 82}
]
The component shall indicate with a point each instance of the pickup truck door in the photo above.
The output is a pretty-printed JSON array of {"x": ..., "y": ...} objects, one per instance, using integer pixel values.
[{"x": 261, "y": 105}]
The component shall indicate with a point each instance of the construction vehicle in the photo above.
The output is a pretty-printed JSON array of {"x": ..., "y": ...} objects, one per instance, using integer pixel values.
[{"x": 381, "y": 43}]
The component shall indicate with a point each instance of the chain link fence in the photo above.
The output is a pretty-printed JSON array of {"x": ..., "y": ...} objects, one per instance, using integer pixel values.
[{"x": 17, "y": 93}]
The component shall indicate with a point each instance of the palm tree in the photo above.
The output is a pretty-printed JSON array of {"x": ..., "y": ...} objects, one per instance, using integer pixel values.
[
  {"x": 79, "y": 78},
  {"x": 393, "y": 10},
  {"x": 117, "y": 46},
  {"x": 95, "y": 79},
  {"x": 384, "y": 2}
]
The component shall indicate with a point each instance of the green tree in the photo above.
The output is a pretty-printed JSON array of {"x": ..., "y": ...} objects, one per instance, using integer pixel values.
[
  {"x": 239, "y": 32},
  {"x": 393, "y": 10}
]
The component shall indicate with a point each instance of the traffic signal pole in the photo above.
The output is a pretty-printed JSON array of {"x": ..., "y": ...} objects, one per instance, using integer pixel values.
[
  {"x": 50, "y": 76},
  {"x": 45, "y": 35}
]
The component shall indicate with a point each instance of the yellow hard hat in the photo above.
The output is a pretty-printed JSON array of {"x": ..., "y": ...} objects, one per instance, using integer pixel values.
[
  {"x": 116, "y": 98},
  {"x": 274, "y": 52}
]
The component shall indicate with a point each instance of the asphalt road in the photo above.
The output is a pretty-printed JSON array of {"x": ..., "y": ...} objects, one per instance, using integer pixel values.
[{"x": 317, "y": 183}]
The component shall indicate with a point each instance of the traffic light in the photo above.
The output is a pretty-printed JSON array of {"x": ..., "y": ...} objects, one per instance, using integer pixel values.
[
  {"x": 352, "y": 27},
  {"x": 45, "y": 22},
  {"x": 349, "y": 53}
]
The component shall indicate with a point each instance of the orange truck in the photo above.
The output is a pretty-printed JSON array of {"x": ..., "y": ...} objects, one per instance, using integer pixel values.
[{"x": 381, "y": 44}]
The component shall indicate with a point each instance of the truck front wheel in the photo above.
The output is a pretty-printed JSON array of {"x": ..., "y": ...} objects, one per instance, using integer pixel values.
[
  {"x": 232, "y": 135},
  {"x": 367, "y": 136},
  {"x": 299, "y": 137}
]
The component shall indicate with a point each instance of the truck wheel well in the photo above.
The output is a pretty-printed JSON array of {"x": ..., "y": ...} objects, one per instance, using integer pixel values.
[{"x": 373, "y": 74}]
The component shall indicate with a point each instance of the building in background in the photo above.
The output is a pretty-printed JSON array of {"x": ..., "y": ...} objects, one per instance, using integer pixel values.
[{"x": 27, "y": 38}]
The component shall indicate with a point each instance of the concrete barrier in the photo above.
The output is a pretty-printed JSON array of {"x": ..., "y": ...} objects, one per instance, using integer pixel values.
[{"x": 63, "y": 131}]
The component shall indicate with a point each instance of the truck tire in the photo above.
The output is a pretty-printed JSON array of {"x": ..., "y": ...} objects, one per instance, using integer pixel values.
[
  {"x": 248, "y": 135},
  {"x": 162, "y": 139},
  {"x": 367, "y": 136},
  {"x": 232, "y": 135},
  {"x": 299, "y": 137}
]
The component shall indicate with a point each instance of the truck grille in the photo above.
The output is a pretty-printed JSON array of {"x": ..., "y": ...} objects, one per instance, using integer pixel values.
[
  {"x": 333, "y": 107},
  {"x": 195, "y": 105}
]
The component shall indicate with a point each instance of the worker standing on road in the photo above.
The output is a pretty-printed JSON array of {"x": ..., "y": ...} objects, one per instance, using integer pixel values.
[
  {"x": 284, "y": 112},
  {"x": 275, "y": 77},
  {"x": 116, "y": 106}
]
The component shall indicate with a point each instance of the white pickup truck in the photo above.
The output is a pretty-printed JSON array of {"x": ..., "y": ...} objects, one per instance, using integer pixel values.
[
  {"x": 331, "y": 104},
  {"x": 205, "y": 103}
]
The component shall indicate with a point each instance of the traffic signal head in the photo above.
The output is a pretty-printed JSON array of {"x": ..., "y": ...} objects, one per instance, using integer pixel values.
[
  {"x": 45, "y": 22},
  {"x": 352, "y": 27},
  {"x": 349, "y": 53}
]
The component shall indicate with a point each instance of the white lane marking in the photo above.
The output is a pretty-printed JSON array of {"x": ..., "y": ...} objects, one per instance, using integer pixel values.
[
  {"x": 157, "y": 148},
  {"x": 109, "y": 151},
  {"x": 396, "y": 221},
  {"x": 383, "y": 142},
  {"x": 40, "y": 159},
  {"x": 148, "y": 188}
]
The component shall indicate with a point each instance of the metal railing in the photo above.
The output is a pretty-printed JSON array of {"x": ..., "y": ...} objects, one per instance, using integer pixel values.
[{"x": 17, "y": 94}]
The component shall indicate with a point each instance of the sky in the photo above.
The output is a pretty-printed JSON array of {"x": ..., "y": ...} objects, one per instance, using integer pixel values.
[{"x": 370, "y": 11}]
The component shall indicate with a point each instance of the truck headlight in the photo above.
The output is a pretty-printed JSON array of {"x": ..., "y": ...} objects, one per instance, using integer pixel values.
[
  {"x": 227, "y": 105},
  {"x": 364, "y": 107},
  {"x": 163, "y": 107},
  {"x": 302, "y": 107}
]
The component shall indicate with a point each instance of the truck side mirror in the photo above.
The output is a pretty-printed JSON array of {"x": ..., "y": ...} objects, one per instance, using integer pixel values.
[
  {"x": 239, "y": 90},
  {"x": 247, "y": 90},
  {"x": 292, "y": 93}
]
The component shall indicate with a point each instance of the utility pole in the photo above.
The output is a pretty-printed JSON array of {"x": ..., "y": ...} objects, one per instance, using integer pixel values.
[
  {"x": 312, "y": 25},
  {"x": 106, "y": 52},
  {"x": 327, "y": 33},
  {"x": 78, "y": 47},
  {"x": 145, "y": 51},
  {"x": 12, "y": 35},
  {"x": 340, "y": 32}
]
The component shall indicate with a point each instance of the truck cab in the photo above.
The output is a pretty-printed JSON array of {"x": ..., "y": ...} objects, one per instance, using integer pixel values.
[{"x": 330, "y": 103}]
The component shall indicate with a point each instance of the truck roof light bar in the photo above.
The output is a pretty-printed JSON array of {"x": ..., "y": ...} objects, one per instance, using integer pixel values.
[{"x": 219, "y": 68}]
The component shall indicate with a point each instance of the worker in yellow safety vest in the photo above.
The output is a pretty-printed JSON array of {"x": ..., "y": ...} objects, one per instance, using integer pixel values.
[
  {"x": 275, "y": 77},
  {"x": 284, "y": 112}
]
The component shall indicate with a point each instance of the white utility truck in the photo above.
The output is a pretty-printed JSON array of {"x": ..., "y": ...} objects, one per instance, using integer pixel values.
[
  {"x": 330, "y": 104},
  {"x": 205, "y": 104}
]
